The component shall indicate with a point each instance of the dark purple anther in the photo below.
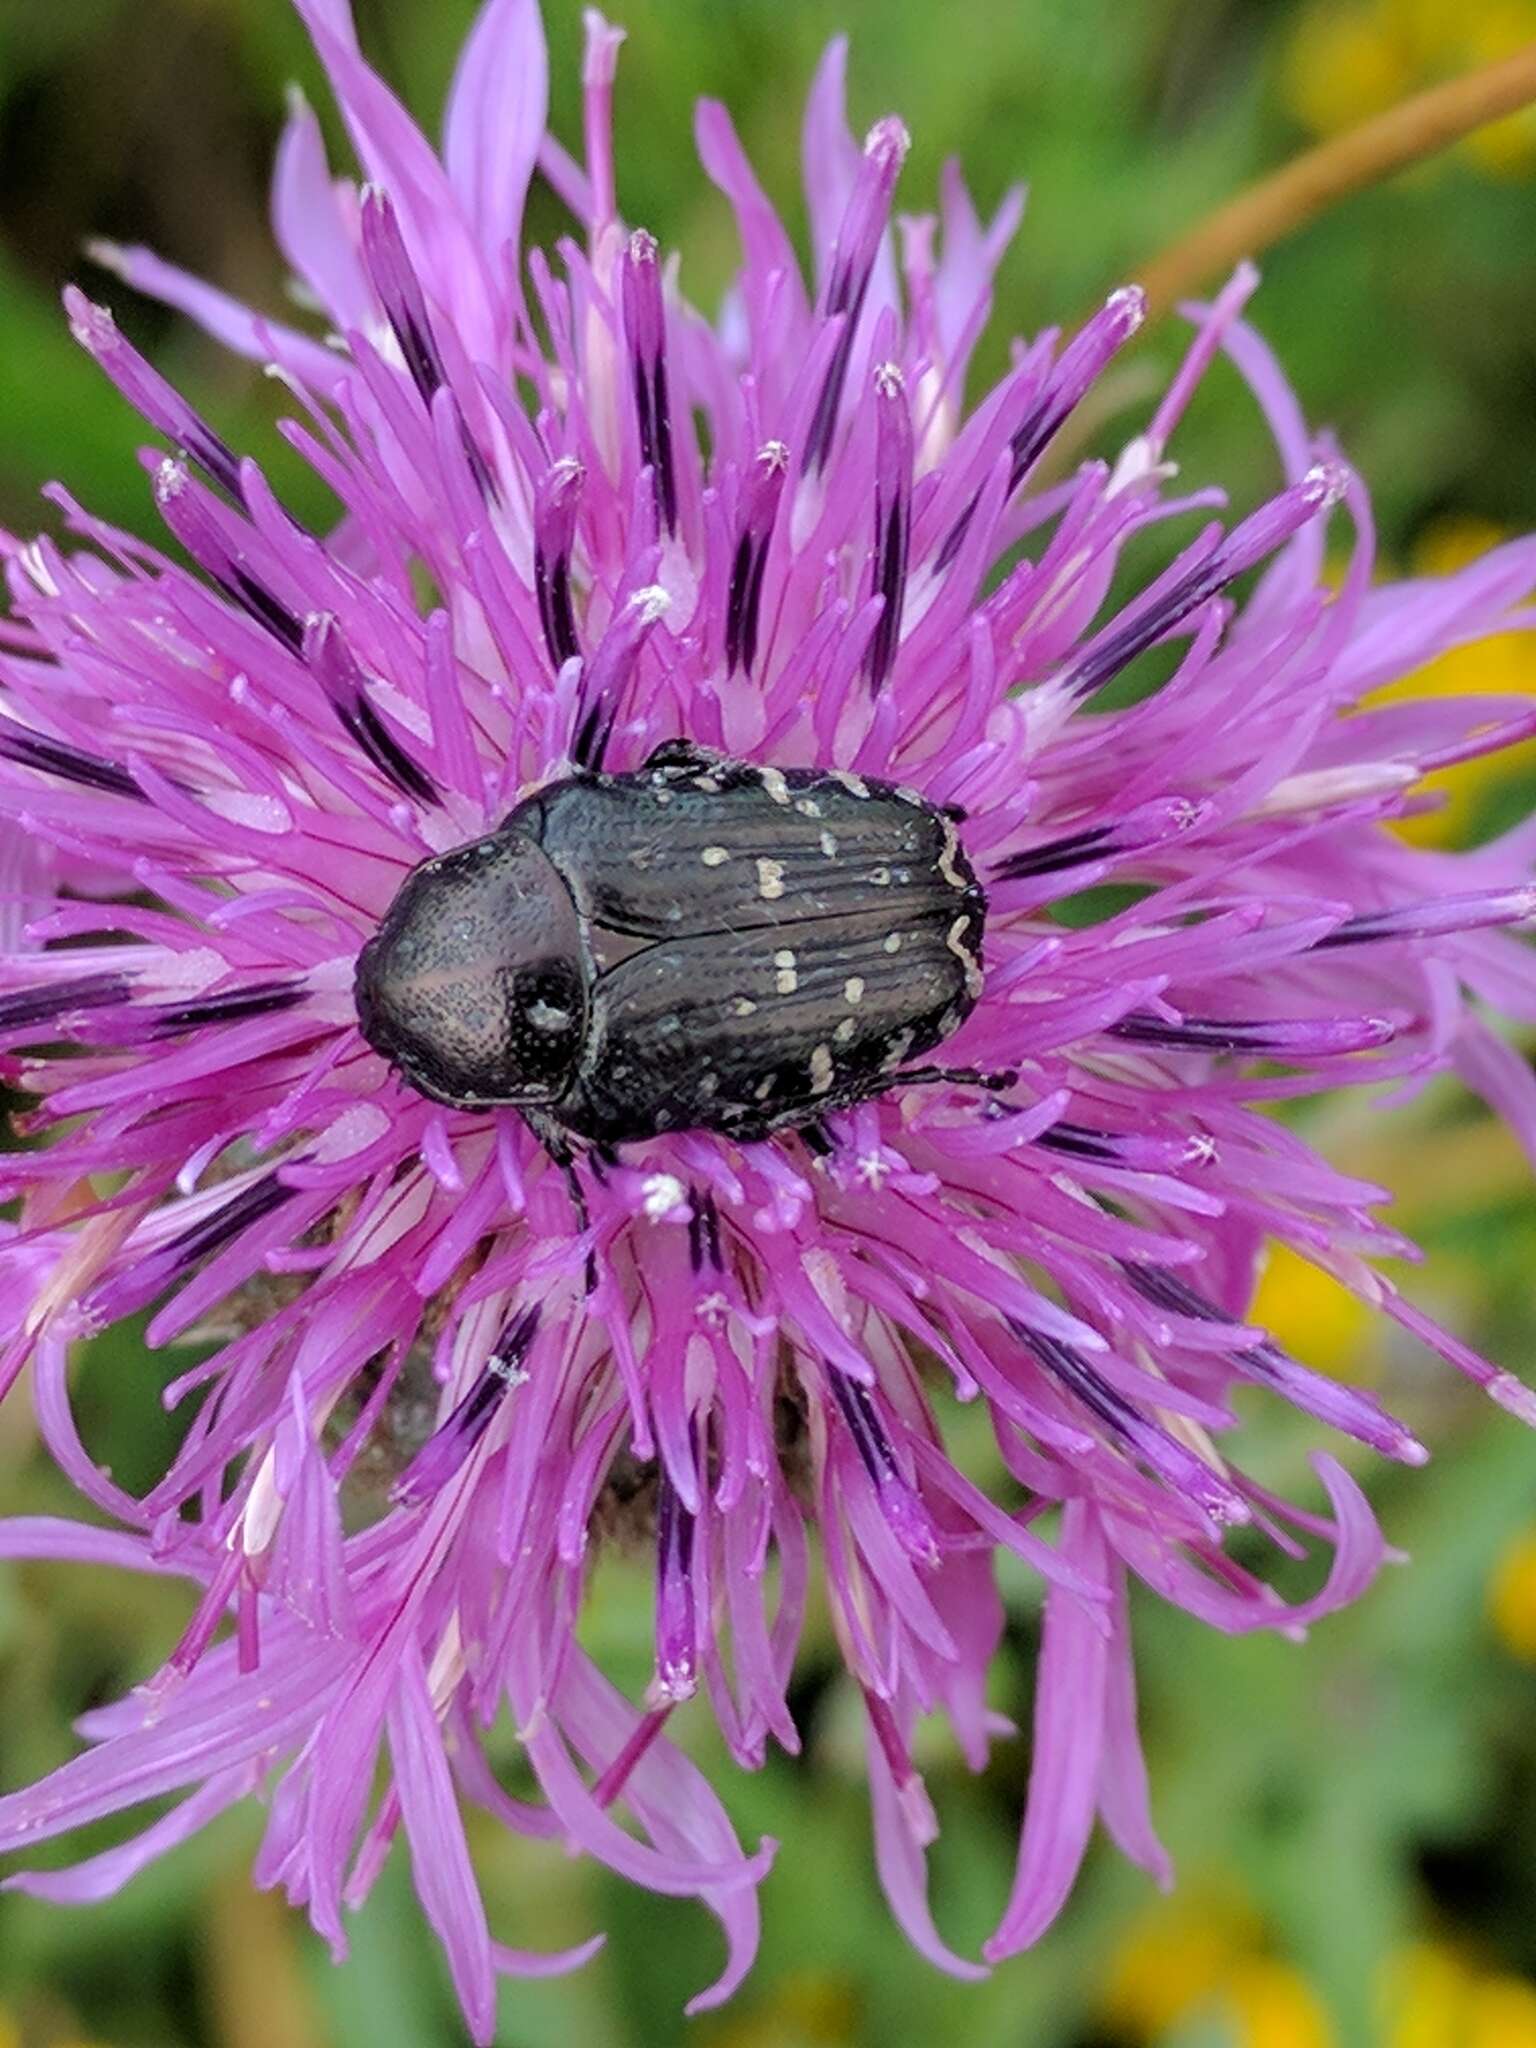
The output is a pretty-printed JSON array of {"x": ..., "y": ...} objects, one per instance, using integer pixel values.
[
  {"x": 210, "y": 1233},
  {"x": 70, "y": 764},
  {"x": 902, "y": 1507},
  {"x": 1279, "y": 1038},
  {"x": 1071, "y": 378},
  {"x": 149, "y": 394},
  {"x": 1144, "y": 827},
  {"x": 1145, "y": 623},
  {"x": 760, "y": 497},
  {"x": 188, "y": 512},
  {"x": 260, "y": 999},
  {"x": 331, "y": 662},
  {"x": 1341, "y": 1406},
  {"x": 1136, "y": 1432},
  {"x": 893, "y": 515},
  {"x": 677, "y": 1652},
  {"x": 45, "y": 1005},
  {"x": 555, "y": 505},
  {"x": 1438, "y": 919},
  {"x": 848, "y": 273},
  {"x": 451, "y": 1442},
  {"x": 394, "y": 279},
  {"x": 1077, "y": 369},
  {"x": 704, "y": 1232},
  {"x": 645, "y": 328}
]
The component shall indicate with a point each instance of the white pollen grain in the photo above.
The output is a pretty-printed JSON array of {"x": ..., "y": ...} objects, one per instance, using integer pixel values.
[
  {"x": 662, "y": 1194},
  {"x": 742, "y": 1006},
  {"x": 829, "y": 845},
  {"x": 807, "y": 806},
  {"x": 854, "y": 784},
  {"x": 845, "y": 1031},
  {"x": 893, "y": 943},
  {"x": 774, "y": 785},
  {"x": 715, "y": 856},
  {"x": 853, "y": 990},
  {"x": 786, "y": 980},
  {"x": 822, "y": 1069},
  {"x": 770, "y": 879}
]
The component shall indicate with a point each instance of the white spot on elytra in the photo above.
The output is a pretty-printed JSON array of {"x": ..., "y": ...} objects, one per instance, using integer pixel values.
[
  {"x": 947, "y": 867},
  {"x": 955, "y": 939},
  {"x": 881, "y": 877},
  {"x": 742, "y": 1006},
  {"x": 714, "y": 856},
  {"x": 770, "y": 879},
  {"x": 854, "y": 784},
  {"x": 829, "y": 845},
  {"x": 897, "y": 1050},
  {"x": 774, "y": 785},
  {"x": 845, "y": 1031},
  {"x": 545, "y": 1017},
  {"x": 822, "y": 1069},
  {"x": 893, "y": 943},
  {"x": 807, "y": 806},
  {"x": 853, "y": 989},
  {"x": 786, "y": 980}
]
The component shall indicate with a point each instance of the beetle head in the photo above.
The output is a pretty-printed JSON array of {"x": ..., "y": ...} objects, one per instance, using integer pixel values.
[{"x": 474, "y": 984}]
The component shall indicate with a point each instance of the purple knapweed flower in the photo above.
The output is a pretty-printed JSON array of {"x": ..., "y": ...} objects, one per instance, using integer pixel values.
[{"x": 571, "y": 505}]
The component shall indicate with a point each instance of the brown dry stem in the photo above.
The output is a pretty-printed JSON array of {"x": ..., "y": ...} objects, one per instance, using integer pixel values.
[{"x": 1277, "y": 205}]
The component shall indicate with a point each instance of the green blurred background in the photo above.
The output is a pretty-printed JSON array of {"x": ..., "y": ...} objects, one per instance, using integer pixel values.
[{"x": 1352, "y": 1820}]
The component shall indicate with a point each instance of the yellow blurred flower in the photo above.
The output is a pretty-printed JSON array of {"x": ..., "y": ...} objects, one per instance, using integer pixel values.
[
  {"x": 1346, "y": 62},
  {"x": 1315, "y": 1318},
  {"x": 1504, "y": 665},
  {"x": 1174, "y": 1957},
  {"x": 1512, "y": 1597},
  {"x": 808, "y": 2010},
  {"x": 1502, "y": 2013},
  {"x": 10, "y": 2033},
  {"x": 1205, "y": 1953},
  {"x": 1438, "y": 1999},
  {"x": 1273, "y": 2006}
]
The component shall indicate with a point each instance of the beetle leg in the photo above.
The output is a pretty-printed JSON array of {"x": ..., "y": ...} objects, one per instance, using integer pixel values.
[
  {"x": 682, "y": 753},
  {"x": 563, "y": 1155},
  {"x": 967, "y": 1077}
]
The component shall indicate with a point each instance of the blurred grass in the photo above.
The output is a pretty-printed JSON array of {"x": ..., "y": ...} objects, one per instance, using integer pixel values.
[{"x": 1349, "y": 1819}]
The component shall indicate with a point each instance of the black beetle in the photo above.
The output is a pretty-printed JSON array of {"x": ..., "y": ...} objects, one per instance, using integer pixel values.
[{"x": 702, "y": 944}]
